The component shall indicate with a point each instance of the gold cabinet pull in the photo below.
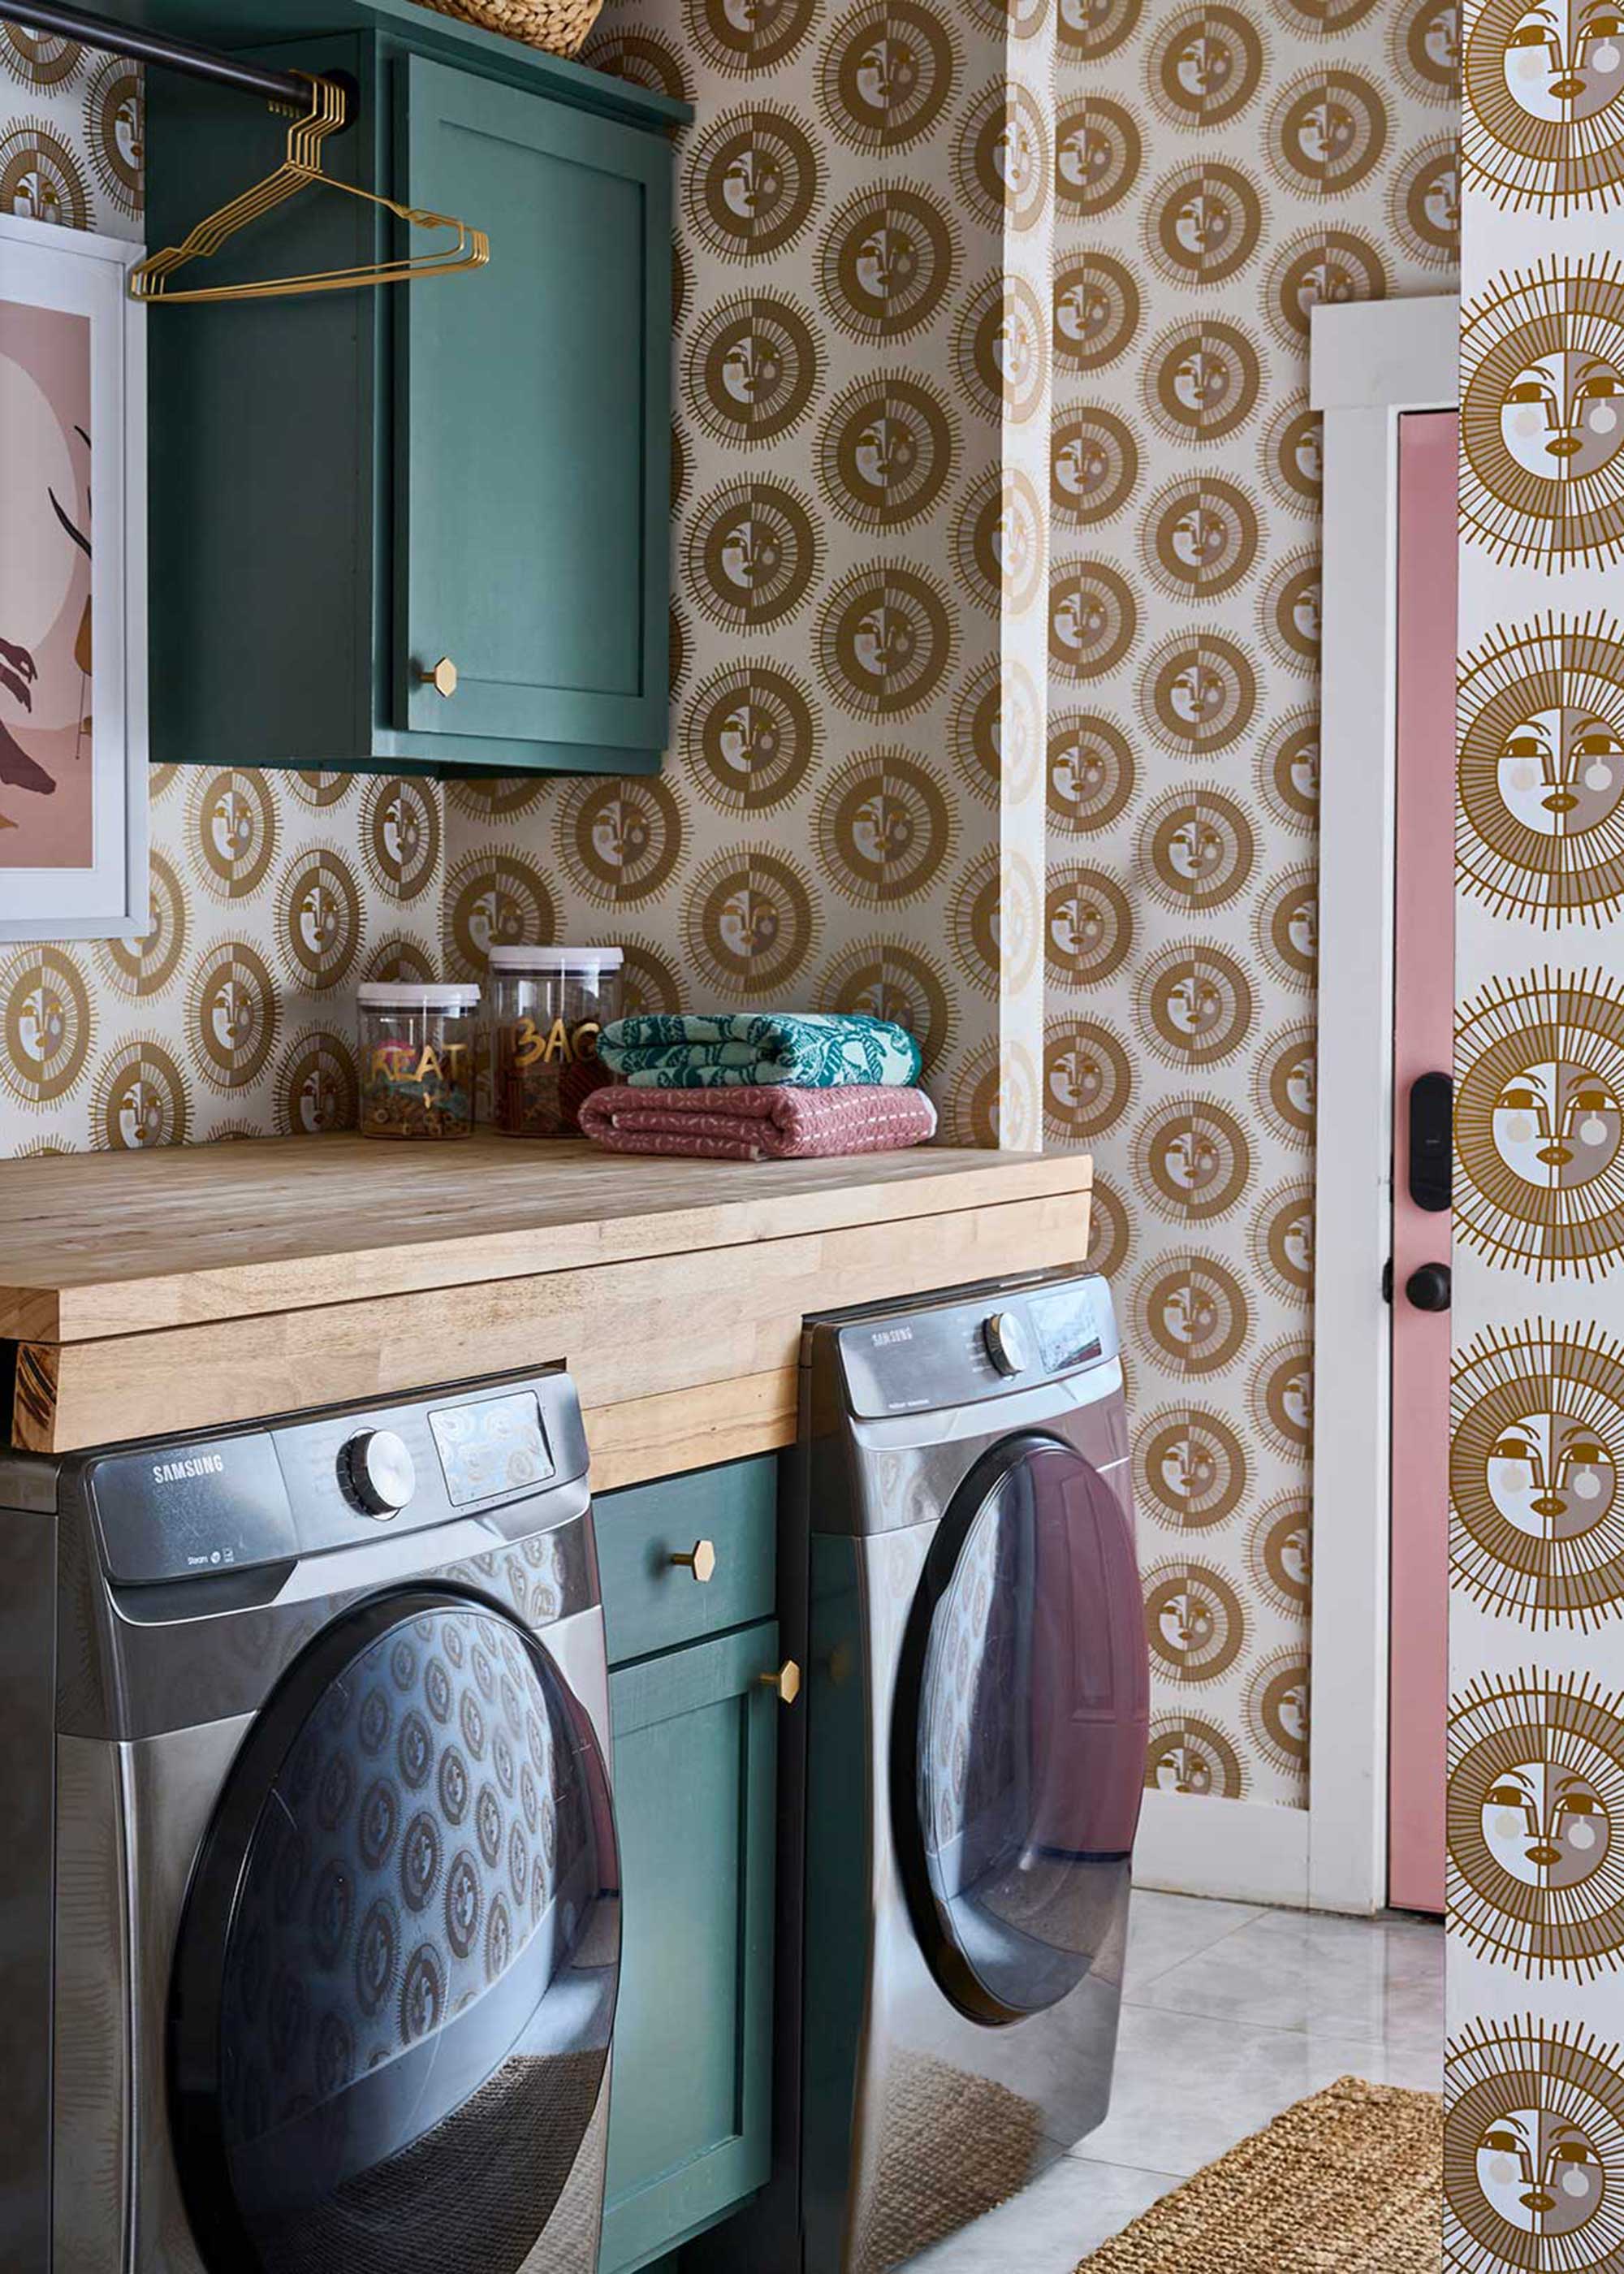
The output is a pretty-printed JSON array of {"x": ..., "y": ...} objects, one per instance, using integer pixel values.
[
  {"x": 443, "y": 678},
  {"x": 700, "y": 1560},
  {"x": 785, "y": 1682}
]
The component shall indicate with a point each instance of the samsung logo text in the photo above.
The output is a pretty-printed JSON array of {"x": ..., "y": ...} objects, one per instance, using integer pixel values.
[{"x": 199, "y": 1465}]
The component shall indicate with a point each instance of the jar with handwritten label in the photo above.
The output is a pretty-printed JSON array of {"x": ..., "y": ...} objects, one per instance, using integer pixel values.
[
  {"x": 548, "y": 1005},
  {"x": 418, "y": 1059}
]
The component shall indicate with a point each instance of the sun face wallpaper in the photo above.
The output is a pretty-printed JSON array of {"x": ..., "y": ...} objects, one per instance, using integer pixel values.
[{"x": 1534, "y": 2172}]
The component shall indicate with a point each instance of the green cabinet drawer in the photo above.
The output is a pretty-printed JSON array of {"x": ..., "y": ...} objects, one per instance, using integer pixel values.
[
  {"x": 652, "y": 1604},
  {"x": 696, "y": 1761}
]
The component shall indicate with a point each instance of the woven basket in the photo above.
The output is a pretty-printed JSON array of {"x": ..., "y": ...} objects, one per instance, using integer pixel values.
[{"x": 558, "y": 25}]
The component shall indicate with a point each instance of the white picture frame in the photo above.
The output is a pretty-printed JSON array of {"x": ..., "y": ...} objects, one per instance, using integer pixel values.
[{"x": 78, "y": 272}]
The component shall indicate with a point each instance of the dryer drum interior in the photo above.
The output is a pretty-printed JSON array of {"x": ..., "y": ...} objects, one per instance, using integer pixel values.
[
  {"x": 394, "y": 1976},
  {"x": 1016, "y": 1754}
]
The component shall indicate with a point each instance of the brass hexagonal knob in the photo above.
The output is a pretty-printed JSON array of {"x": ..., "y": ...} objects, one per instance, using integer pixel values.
[
  {"x": 700, "y": 1560},
  {"x": 443, "y": 678},
  {"x": 785, "y": 1682}
]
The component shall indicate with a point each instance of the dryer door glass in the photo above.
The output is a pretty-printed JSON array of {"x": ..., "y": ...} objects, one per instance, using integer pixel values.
[
  {"x": 396, "y": 1970},
  {"x": 1025, "y": 1689}
]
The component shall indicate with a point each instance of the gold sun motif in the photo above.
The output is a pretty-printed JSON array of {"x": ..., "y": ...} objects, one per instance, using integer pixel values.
[
  {"x": 1278, "y": 1707},
  {"x": 1542, "y": 415},
  {"x": 1537, "y": 1474},
  {"x": 1195, "y": 1622},
  {"x": 1533, "y": 2150},
  {"x": 1535, "y": 1824},
  {"x": 1189, "y": 1468},
  {"x": 1543, "y": 119},
  {"x": 1188, "y": 1753},
  {"x": 1539, "y": 1125},
  {"x": 1540, "y": 827},
  {"x": 1191, "y": 1159}
]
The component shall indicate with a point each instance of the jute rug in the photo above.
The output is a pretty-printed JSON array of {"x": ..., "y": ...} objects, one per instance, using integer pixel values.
[{"x": 1349, "y": 2182}]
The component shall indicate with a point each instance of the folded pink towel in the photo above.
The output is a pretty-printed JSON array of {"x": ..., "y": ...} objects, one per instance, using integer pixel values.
[{"x": 758, "y": 1122}]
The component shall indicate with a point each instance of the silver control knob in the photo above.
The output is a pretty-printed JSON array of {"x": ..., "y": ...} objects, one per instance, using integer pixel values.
[
  {"x": 378, "y": 1469},
  {"x": 1006, "y": 1342}
]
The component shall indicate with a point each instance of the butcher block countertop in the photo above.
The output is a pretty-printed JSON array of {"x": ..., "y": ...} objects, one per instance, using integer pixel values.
[{"x": 185, "y": 1288}]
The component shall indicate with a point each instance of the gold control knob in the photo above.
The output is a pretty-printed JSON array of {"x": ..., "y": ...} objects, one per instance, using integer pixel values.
[
  {"x": 443, "y": 678},
  {"x": 785, "y": 1681},
  {"x": 700, "y": 1560}
]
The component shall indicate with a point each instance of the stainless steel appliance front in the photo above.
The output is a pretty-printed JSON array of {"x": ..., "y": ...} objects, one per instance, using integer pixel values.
[
  {"x": 314, "y": 1956},
  {"x": 979, "y": 1704}
]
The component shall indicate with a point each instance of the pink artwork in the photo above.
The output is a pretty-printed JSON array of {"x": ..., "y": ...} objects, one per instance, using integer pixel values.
[{"x": 45, "y": 774}]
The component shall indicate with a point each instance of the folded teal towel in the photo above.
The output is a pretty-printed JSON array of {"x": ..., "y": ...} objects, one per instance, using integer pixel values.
[{"x": 731, "y": 1049}]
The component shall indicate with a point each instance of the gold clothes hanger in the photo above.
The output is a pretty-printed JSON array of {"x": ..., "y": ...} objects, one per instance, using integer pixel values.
[{"x": 301, "y": 170}]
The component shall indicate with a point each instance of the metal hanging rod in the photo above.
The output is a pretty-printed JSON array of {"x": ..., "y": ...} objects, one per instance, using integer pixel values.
[{"x": 153, "y": 47}]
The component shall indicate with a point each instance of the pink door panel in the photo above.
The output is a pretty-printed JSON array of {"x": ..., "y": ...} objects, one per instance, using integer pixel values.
[{"x": 1422, "y": 1045}]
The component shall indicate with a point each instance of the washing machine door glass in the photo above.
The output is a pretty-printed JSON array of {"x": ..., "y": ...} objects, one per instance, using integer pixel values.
[
  {"x": 396, "y": 1969},
  {"x": 1022, "y": 1719}
]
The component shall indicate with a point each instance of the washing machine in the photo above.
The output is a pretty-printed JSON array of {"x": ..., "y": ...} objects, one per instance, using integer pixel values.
[
  {"x": 310, "y": 1893},
  {"x": 974, "y": 1754}
]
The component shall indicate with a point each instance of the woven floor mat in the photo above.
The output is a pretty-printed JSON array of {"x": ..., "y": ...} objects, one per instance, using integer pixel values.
[{"x": 1347, "y": 2182}]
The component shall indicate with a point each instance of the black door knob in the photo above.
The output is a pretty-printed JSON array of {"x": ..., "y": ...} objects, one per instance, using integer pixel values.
[{"x": 1428, "y": 1287}]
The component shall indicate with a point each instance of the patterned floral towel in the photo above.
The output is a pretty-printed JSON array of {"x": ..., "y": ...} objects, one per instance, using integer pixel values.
[
  {"x": 733, "y": 1049},
  {"x": 760, "y": 1123}
]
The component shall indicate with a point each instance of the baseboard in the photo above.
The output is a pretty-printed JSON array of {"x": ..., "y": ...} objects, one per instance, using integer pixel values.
[{"x": 1190, "y": 1845}]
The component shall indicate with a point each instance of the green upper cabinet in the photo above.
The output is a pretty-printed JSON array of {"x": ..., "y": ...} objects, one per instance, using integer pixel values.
[
  {"x": 349, "y": 488},
  {"x": 534, "y": 417}
]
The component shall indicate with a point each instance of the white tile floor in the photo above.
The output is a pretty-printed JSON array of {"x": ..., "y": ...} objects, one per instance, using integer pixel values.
[{"x": 1229, "y": 2015}]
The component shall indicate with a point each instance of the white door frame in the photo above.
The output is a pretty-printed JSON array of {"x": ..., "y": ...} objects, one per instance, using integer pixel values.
[{"x": 1371, "y": 362}]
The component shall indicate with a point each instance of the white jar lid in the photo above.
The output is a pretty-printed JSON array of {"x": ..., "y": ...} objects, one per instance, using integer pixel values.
[
  {"x": 412, "y": 995},
  {"x": 556, "y": 959}
]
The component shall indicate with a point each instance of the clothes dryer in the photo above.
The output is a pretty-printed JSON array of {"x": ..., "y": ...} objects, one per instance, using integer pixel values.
[{"x": 975, "y": 1750}]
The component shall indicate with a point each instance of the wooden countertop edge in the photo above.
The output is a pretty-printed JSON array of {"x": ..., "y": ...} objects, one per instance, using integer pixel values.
[
  {"x": 87, "y": 1308},
  {"x": 671, "y": 1431},
  {"x": 641, "y": 1337}
]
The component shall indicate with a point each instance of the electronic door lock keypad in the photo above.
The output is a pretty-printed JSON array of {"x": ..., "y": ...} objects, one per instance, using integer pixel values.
[{"x": 1432, "y": 1142}]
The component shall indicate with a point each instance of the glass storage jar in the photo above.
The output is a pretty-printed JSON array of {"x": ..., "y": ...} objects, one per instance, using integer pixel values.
[
  {"x": 418, "y": 1059},
  {"x": 548, "y": 1005}
]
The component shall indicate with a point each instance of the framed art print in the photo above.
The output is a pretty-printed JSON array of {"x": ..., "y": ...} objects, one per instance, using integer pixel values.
[{"x": 72, "y": 587}]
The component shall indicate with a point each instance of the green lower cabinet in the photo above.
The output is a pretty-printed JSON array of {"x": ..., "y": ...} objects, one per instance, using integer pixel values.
[{"x": 696, "y": 1753}]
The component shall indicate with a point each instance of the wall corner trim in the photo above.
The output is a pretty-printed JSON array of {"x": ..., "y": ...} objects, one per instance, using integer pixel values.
[{"x": 1243, "y": 1851}]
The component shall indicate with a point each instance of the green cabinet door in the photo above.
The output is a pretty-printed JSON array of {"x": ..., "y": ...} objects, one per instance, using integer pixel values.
[
  {"x": 533, "y": 423},
  {"x": 695, "y": 1747}
]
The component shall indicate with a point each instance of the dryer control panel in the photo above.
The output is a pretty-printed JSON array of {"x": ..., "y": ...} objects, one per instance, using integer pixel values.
[
  {"x": 953, "y": 1349},
  {"x": 267, "y": 1495}
]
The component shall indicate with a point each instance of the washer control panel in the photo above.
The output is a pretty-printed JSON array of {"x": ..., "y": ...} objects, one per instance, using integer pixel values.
[
  {"x": 268, "y": 1495},
  {"x": 912, "y": 1357}
]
